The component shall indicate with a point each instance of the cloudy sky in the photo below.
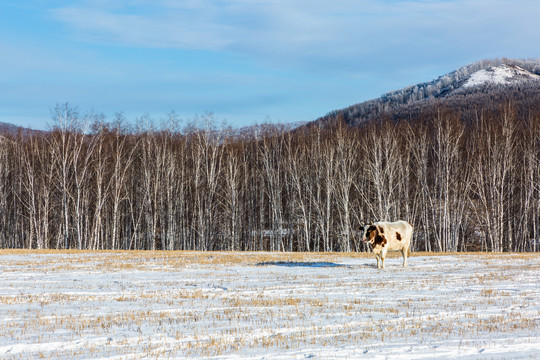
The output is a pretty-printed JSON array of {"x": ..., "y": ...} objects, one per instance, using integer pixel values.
[{"x": 246, "y": 61}]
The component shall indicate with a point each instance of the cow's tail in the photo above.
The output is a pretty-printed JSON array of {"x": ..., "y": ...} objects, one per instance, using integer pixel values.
[{"x": 410, "y": 241}]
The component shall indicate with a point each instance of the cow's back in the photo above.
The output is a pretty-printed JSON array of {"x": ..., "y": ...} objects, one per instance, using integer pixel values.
[{"x": 398, "y": 234}]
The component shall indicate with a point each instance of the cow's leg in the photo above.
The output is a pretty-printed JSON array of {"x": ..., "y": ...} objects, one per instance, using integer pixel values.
[
  {"x": 378, "y": 261},
  {"x": 383, "y": 255},
  {"x": 404, "y": 251}
]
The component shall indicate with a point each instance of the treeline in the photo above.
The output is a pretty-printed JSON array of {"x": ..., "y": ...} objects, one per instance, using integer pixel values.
[{"x": 464, "y": 184}]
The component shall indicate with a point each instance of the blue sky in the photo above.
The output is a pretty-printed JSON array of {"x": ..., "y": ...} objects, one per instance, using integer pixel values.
[{"x": 246, "y": 61}]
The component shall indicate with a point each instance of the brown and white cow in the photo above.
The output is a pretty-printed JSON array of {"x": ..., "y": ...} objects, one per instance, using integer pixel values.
[{"x": 384, "y": 236}]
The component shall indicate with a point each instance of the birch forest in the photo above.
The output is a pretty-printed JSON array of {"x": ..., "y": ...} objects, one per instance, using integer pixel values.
[{"x": 465, "y": 184}]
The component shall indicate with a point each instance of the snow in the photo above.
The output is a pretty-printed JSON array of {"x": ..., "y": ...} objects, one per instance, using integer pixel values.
[
  {"x": 499, "y": 75},
  {"x": 123, "y": 305}
]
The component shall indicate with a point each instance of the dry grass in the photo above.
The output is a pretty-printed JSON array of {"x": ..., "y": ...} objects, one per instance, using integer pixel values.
[{"x": 133, "y": 260}]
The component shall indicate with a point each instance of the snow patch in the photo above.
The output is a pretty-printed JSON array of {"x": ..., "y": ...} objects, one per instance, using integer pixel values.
[{"x": 499, "y": 75}]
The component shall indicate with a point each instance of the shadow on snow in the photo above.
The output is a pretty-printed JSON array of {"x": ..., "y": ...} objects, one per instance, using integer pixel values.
[{"x": 314, "y": 264}]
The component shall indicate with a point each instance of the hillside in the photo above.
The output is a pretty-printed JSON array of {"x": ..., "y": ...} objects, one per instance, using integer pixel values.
[
  {"x": 11, "y": 129},
  {"x": 482, "y": 84},
  {"x": 8, "y": 128}
]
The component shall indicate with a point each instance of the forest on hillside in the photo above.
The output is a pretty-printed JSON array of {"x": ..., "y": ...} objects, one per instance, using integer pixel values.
[
  {"x": 465, "y": 183},
  {"x": 449, "y": 88}
]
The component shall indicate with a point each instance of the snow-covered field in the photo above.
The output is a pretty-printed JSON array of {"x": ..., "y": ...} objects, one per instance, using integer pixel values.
[{"x": 139, "y": 305}]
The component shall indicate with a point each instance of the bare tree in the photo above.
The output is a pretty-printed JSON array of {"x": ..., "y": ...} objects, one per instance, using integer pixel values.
[
  {"x": 347, "y": 151},
  {"x": 38, "y": 182},
  {"x": 322, "y": 161},
  {"x": 495, "y": 144},
  {"x": 450, "y": 183},
  {"x": 234, "y": 172},
  {"x": 5, "y": 185},
  {"x": 301, "y": 184},
  {"x": 122, "y": 156},
  {"x": 207, "y": 155},
  {"x": 271, "y": 152},
  {"x": 63, "y": 140},
  {"x": 381, "y": 149}
]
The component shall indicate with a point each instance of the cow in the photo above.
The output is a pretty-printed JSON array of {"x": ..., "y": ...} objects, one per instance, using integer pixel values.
[{"x": 384, "y": 236}]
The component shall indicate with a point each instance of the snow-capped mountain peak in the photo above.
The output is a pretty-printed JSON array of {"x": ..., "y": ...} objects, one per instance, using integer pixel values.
[
  {"x": 485, "y": 78},
  {"x": 499, "y": 75}
]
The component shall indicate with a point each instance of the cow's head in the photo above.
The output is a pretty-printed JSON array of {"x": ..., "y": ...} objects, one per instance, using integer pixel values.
[
  {"x": 373, "y": 235},
  {"x": 369, "y": 232}
]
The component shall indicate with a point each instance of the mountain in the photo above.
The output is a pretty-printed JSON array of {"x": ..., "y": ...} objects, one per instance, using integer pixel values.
[
  {"x": 10, "y": 129},
  {"x": 478, "y": 84}
]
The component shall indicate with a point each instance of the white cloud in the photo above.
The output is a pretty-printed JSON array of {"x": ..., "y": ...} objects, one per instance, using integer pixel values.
[
  {"x": 313, "y": 32},
  {"x": 162, "y": 30}
]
